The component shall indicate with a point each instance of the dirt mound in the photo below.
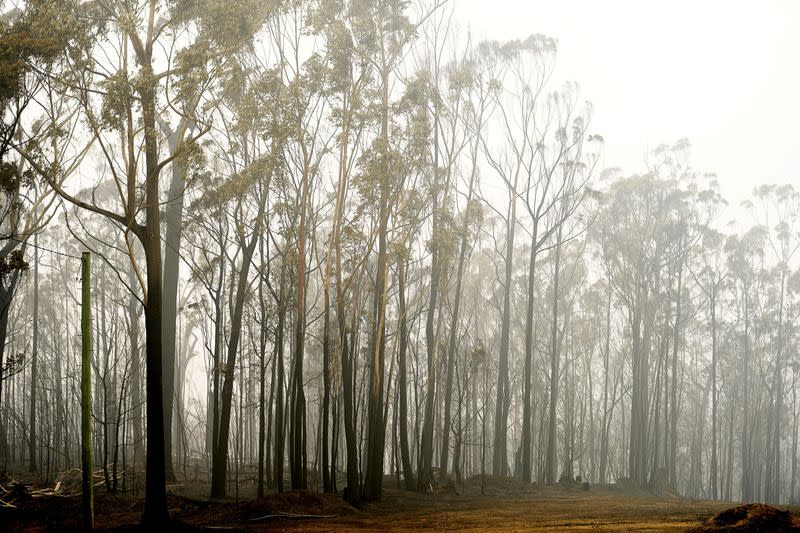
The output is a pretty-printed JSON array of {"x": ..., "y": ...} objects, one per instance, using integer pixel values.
[
  {"x": 297, "y": 502},
  {"x": 504, "y": 487},
  {"x": 752, "y": 518}
]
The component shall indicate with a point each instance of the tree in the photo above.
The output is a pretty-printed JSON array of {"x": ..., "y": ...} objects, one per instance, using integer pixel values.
[
  {"x": 25, "y": 205},
  {"x": 632, "y": 255},
  {"x": 553, "y": 200},
  {"x": 141, "y": 27},
  {"x": 527, "y": 65},
  {"x": 710, "y": 277},
  {"x": 745, "y": 260},
  {"x": 389, "y": 31},
  {"x": 257, "y": 158},
  {"x": 779, "y": 205}
]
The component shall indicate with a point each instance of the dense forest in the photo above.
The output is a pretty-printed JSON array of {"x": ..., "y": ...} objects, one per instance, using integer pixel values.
[{"x": 340, "y": 245}]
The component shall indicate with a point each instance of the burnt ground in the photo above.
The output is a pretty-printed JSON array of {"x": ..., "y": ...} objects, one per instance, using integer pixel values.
[
  {"x": 752, "y": 518},
  {"x": 508, "y": 505}
]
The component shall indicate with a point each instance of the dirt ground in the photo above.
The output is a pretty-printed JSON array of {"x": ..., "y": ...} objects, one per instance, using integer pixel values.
[
  {"x": 550, "y": 510},
  {"x": 508, "y": 505}
]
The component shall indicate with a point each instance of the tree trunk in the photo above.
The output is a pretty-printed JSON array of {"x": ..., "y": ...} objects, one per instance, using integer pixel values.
[
  {"x": 375, "y": 426},
  {"x": 606, "y": 417},
  {"x": 262, "y": 370},
  {"x": 136, "y": 377},
  {"x": 326, "y": 389},
  {"x": 425, "y": 470},
  {"x": 297, "y": 434},
  {"x": 402, "y": 373},
  {"x": 155, "y": 511},
  {"x": 673, "y": 410},
  {"x": 714, "y": 467},
  {"x": 550, "y": 458},
  {"x": 7, "y": 289},
  {"x": 34, "y": 357},
  {"x": 352, "y": 492},
  {"x": 220, "y": 457},
  {"x": 500, "y": 457},
  {"x": 280, "y": 436},
  {"x": 451, "y": 347},
  {"x": 529, "y": 338},
  {"x": 173, "y": 212},
  {"x": 87, "y": 484}
]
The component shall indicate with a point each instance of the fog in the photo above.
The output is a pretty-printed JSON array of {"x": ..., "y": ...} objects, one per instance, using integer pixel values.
[
  {"x": 718, "y": 73},
  {"x": 355, "y": 258}
]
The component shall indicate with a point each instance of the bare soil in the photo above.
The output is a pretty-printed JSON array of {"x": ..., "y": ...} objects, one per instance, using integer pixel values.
[
  {"x": 752, "y": 518},
  {"x": 507, "y": 505}
]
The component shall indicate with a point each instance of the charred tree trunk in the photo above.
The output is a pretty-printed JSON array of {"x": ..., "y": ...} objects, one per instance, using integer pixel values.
[
  {"x": 220, "y": 457},
  {"x": 500, "y": 457},
  {"x": 673, "y": 403},
  {"x": 551, "y": 460},
  {"x": 297, "y": 434},
  {"x": 327, "y": 474},
  {"x": 280, "y": 436},
  {"x": 425, "y": 470},
  {"x": 527, "y": 376},
  {"x": 451, "y": 347},
  {"x": 262, "y": 370},
  {"x": 34, "y": 359},
  {"x": 402, "y": 376},
  {"x": 375, "y": 425},
  {"x": 606, "y": 416},
  {"x": 155, "y": 511},
  {"x": 8, "y": 286},
  {"x": 714, "y": 462}
]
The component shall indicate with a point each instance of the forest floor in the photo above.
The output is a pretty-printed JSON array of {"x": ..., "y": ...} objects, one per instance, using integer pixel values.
[{"x": 507, "y": 505}]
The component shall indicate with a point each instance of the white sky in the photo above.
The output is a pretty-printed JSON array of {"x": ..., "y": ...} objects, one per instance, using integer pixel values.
[{"x": 724, "y": 74}]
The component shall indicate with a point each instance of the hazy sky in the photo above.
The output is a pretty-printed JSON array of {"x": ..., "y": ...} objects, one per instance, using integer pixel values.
[{"x": 724, "y": 74}]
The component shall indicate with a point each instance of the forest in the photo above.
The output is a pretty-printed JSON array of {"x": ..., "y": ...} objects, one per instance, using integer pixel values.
[{"x": 348, "y": 250}]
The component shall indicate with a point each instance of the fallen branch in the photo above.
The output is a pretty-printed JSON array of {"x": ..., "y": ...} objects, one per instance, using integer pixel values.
[
  {"x": 12, "y": 492},
  {"x": 292, "y": 516}
]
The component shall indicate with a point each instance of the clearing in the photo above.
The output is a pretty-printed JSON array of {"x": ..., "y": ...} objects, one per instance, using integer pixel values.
[{"x": 508, "y": 505}]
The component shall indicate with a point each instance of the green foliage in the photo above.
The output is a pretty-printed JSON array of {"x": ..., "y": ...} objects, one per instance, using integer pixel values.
[
  {"x": 339, "y": 55},
  {"x": 117, "y": 100},
  {"x": 192, "y": 157},
  {"x": 29, "y": 43},
  {"x": 12, "y": 263},
  {"x": 238, "y": 185},
  {"x": 399, "y": 251},
  {"x": 413, "y": 106},
  {"x": 14, "y": 364},
  {"x": 380, "y": 166},
  {"x": 224, "y": 26},
  {"x": 474, "y": 213},
  {"x": 745, "y": 253},
  {"x": 478, "y": 356},
  {"x": 10, "y": 178},
  {"x": 445, "y": 240},
  {"x": 260, "y": 104},
  {"x": 191, "y": 64},
  {"x": 536, "y": 43},
  {"x": 461, "y": 76},
  {"x": 17, "y": 47},
  {"x": 66, "y": 31}
]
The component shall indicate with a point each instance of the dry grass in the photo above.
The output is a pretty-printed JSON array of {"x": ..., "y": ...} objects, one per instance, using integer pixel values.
[{"x": 510, "y": 507}]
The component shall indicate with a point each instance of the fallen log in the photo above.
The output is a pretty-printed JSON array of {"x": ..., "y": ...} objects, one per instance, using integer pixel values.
[{"x": 292, "y": 516}]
